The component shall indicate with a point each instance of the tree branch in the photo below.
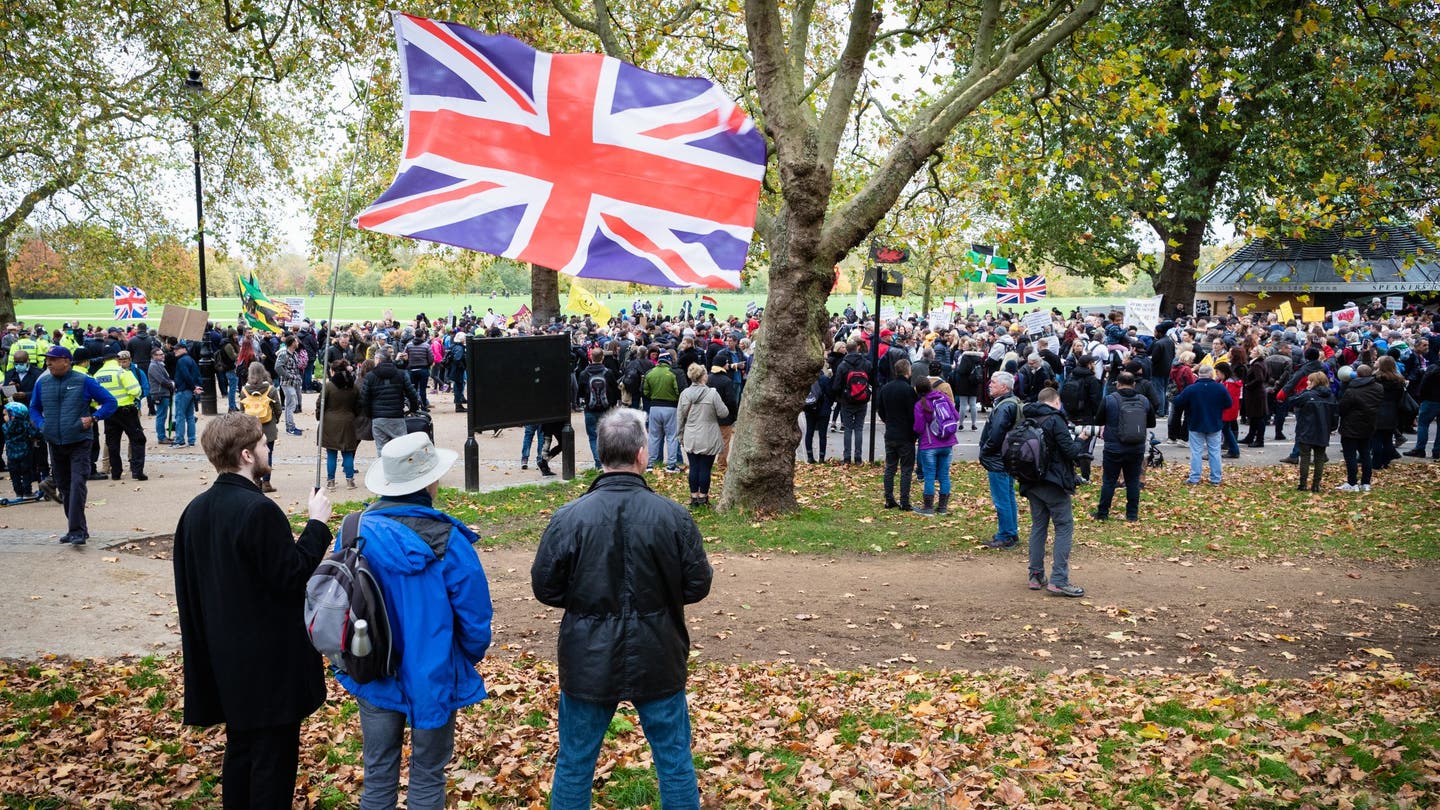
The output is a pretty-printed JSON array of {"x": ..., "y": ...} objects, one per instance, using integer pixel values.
[{"x": 863, "y": 25}]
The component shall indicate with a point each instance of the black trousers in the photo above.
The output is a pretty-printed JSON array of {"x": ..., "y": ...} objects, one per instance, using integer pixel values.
[
  {"x": 814, "y": 426},
  {"x": 901, "y": 455},
  {"x": 125, "y": 420},
  {"x": 260, "y": 767},
  {"x": 72, "y": 478},
  {"x": 1111, "y": 468}
]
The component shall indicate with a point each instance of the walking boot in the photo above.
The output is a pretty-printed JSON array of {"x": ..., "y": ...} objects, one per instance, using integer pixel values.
[
  {"x": 928, "y": 508},
  {"x": 942, "y": 506}
]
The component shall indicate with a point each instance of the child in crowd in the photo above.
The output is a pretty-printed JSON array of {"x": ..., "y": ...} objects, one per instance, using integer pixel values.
[{"x": 20, "y": 434}]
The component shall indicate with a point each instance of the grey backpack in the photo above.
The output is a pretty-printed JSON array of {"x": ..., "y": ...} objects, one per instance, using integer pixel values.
[{"x": 345, "y": 614}]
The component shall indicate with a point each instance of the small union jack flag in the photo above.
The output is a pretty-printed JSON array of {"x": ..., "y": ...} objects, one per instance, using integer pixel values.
[
  {"x": 576, "y": 162},
  {"x": 130, "y": 303},
  {"x": 1027, "y": 290}
]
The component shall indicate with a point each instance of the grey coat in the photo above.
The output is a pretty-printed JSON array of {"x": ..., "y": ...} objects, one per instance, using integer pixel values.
[{"x": 699, "y": 412}]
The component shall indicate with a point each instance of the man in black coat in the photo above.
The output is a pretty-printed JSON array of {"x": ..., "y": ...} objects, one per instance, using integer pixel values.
[
  {"x": 240, "y": 585},
  {"x": 624, "y": 584},
  {"x": 1162, "y": 359},
  {"x": 895, "y": 405},
  {"x": 1121, "y": 457},
  {"x": 1051, "y": 498}
]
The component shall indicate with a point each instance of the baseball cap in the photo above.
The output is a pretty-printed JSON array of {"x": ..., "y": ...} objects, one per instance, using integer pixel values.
[{"x": 58, "y": 352}]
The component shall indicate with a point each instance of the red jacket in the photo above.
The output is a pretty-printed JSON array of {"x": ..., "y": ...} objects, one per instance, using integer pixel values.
[{"x": 1233, "y": 387}]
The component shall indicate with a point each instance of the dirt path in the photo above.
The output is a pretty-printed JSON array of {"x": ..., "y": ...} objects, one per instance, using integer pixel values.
[{"x": 958, "y": 611}]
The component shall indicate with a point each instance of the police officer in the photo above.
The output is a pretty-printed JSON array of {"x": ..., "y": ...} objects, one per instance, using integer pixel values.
[
  {"x": 32, "y": 346},
  {"x": 116, "y": 376}
]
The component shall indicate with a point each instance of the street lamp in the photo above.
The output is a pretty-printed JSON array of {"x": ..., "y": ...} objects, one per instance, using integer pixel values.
[{"x": 195, "y": 87}]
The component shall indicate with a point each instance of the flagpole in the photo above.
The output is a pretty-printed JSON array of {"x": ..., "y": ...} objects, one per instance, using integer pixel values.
[{"x": 334, "y": 285}]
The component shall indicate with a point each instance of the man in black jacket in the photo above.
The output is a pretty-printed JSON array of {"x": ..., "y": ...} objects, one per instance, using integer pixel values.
[
  {"x": 240, "y": 587},
  {"x": 1428, "y": 395},
  {"x": 1162, "y": 359},
  {"x": 1050, "y": 498},
  {"x": 895, "y": 405},
  {"x": 624, "y": 585},
  {"x": 599, "y": 392},
  {"x": 1121, "y": 456},
  {"x": 851, "y": 385},
  {"x": 383, "y": 397}
]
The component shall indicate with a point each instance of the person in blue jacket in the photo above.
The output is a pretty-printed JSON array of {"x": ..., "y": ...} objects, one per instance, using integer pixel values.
[
  {"x": 60, "y": 408},
  {"x": 1204, "y": 401},
  {"x": 438, "y": 601}
]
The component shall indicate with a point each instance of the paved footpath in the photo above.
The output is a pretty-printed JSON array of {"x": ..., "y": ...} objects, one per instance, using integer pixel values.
[{"x": 94, "y": 601}]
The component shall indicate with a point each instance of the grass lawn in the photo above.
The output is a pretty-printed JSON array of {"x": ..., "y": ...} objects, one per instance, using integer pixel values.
[
  {"x": 107, "y": 733},
  {"x": 350, "y": 308},
  {"x": 1257, "y": 512}
]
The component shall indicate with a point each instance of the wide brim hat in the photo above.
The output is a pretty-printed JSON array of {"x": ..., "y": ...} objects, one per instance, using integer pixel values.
[{"x": 408, "y": 464}]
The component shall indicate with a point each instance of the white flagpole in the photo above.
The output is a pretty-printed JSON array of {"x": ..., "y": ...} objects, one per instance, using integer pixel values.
[{"x": 334, "y": 284}]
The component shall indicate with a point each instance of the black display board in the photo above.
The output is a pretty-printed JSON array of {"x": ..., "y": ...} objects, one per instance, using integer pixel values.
[{"x": 518, "y": 381}]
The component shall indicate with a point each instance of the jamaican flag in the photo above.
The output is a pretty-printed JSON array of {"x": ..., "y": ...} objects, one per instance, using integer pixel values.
[{"x": 261, "y": 312}]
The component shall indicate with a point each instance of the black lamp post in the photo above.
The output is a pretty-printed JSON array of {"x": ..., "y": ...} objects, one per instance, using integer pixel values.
[{"x": 194, "y": 86}]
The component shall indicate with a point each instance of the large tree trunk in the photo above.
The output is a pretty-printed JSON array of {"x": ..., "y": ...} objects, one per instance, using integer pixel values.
[
  {"x": 7, "y": 298},
  {"x": 544, "y": 295},
  {"x": 1176, "y": 280},
  {"x": 788, "y": 352}
]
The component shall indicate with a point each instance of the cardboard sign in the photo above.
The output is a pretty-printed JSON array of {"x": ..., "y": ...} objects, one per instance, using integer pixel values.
[
  {"x": 1312, "y": 314},
  {"x": 1037, "y": 322},
  {"x": 183, "y": 323},
  {"x": 1285, "y": 312},
  {"x": 1142, "y": 313},
  {"x": 887, "y": 313},
  {"x": 1202, "y": 308},
  {"x": 1394, "y": 303},
  {"x": 939, "y": 318}
]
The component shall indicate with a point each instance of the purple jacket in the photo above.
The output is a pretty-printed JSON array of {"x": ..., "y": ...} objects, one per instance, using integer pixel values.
[{"x": 923, "y": 409}]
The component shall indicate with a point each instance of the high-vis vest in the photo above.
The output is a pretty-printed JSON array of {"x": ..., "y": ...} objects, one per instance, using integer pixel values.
[{"x": 119, "y": 382}]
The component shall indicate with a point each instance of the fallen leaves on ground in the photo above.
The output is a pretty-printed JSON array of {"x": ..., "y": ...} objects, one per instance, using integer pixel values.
[{"x": 107, "y": 733}]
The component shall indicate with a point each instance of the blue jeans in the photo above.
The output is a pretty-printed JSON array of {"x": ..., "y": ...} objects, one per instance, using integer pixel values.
[
  {"x": 162, "y": 413},
  {"x": 232, "y": 383},
  {"x": 347, "y": 455},
  {"x": 935, "y": 465},
  {"x": 1429, "y": 412},
  {"x": 184, "y": 417},
  {"x": 1204, "y": 445},
  {"x": 532, "y": 432},
  {"x": 852, "y": 429},
  {"x": 383, "y": 734},
  {"x": 663, "y": 441},
  {"x": 592, "y": 424},
  {"x": 1049, "y": 505},
  {"x": 1002, "y": 492},
  {"x": 1227, "y": 437},
  {"x": 666, "y": 723}
]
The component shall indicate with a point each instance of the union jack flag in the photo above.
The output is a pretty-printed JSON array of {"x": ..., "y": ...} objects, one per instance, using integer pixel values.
[
  {"x": 576, "y": 162},
  {"x": 130, "y": 303},
  {"x": 1027, "y": 290}
]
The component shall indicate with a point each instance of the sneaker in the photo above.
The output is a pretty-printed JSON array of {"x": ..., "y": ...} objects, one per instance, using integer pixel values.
[
  {"x": 1098, "y": 516},
  {"x": 1416, "y": 453},
  {"x": 1348, "y": 488},
  {"x": 78, "y": 540},
  {"x": 1065, "y": 590},
  {"x": 349, "y": 483},
  {"x": 330, "y": 484},
  {"x": 49, "y": 492},
  {"x": 266, "y": 486},
  {"x": 140, "y": 476},
  {"x": 1002, "y": 543},
  {"x": 1364, "y": 487},
  {"x": 524, "y": 465},
  {"x": 1291, "y": 460},
  {"x": 66, "y": 538},
  {"x": 1037, "y": 581}
]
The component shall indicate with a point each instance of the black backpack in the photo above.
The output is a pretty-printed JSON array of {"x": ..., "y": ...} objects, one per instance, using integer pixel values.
[
  {"x": 1072, "y": 398},
  {"x": 597, "y": 396},
  {"x": 1024, "y": 452},
  {"x": 977, "y": 375},
  {"x": 1131, "y": 426},
  {"x": 342, "y": 592}
]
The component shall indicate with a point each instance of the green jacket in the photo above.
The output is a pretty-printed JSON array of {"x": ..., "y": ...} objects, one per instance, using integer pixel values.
[{"x": 660, "y": 386}]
